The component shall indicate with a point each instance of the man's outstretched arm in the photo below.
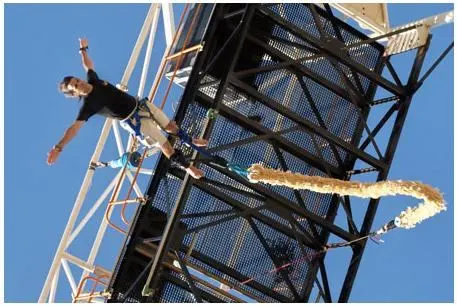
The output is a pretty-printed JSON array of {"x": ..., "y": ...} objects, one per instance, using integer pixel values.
[
  {"x": 69, "y": 134},
  {"x": 87, "y": 62}
]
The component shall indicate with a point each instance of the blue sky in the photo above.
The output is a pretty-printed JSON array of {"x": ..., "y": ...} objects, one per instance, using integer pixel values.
[{"x": 40, "y": 45}]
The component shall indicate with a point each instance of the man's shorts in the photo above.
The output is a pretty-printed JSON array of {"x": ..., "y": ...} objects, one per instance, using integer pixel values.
[{"x": 150, "y": 126}]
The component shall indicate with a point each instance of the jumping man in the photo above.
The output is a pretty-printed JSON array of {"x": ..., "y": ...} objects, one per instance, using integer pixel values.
[{"x": 140, "y": 118}]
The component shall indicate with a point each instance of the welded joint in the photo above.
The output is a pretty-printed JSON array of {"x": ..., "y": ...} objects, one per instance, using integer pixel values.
[
  {"x": 122, "y": 87},
  {"x": 101, "y": 272},
  {"x": 86, "y": 296},
  {"x": 192, "y": 245},
  {"x": 143, "y": 200},
  {"x": 107, "y": 293}
]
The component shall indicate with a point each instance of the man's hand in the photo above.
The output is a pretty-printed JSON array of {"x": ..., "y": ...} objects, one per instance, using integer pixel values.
[
  {"x": 52, "y": 156},
  {"x": 87, "y": 62},
  {"x": 69, "y": 134},
  {"x": 83, "y": 43}
]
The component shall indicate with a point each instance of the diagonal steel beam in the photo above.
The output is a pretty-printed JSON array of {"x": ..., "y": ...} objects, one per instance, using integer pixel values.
[
  {"x": 237, "y": 214},
  {"x": 327, "y": 294},
  {"x": 281, "y": 57},
  {"x": 190, "y": 281},
  {"x": 293, "y": 207},
  {"x": 258, "y": 129},
  {"x": 337, "y": 31},
  {"x": 267, "y": 101},
  {"x": 233, "y": 189},
  {"x": 379, "y": 126},
  {"x": 319, "y": 118},
  {"x": 252, "y": 139},
  {"x": 291, "y": 43},
  {"x": 391, "y": 147},
  {"x": 273, "y": 258},
  {"x": 356, "y": 94},
  {"x": 305, "y": 238}
]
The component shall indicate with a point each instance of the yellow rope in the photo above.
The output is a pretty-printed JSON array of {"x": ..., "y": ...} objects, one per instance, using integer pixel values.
[{"x": 433, "y": 199}]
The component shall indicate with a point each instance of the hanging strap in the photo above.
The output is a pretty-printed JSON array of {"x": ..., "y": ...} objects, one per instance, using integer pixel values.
[{"x": 134, "y": 121}]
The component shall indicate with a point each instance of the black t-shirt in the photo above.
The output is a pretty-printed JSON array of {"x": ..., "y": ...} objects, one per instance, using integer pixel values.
[{"x": 106, "y": 100}]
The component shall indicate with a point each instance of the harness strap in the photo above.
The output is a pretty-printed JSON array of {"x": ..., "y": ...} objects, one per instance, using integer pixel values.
[
  {"x": 186, "y": 139},
  {"x": 134, "y": 121}
]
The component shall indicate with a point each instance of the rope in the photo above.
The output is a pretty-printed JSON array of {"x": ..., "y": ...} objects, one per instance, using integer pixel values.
[
  {"x": 432, "y": 205},
  {"x": 307, "y": 258}
]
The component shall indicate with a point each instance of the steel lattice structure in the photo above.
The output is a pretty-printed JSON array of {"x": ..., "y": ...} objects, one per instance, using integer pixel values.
[
  {"x": 293, "y": 87},
  {"x": 312, "y": 57}
]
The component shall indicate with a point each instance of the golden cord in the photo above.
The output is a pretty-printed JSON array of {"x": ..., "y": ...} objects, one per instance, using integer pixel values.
[{"x": 432, "y": 197}]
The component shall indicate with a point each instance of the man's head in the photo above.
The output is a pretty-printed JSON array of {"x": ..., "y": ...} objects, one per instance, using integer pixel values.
[{"x": 73, "y": 87}]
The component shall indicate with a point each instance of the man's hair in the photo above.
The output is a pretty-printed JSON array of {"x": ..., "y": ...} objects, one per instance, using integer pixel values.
[{"x": 63, "y": 88}]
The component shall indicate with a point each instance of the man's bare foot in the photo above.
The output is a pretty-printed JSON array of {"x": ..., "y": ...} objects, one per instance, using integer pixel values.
[
  {"x": 194, "y": 172},
  {"x": 99, "y": 164},
  {"x": 200, "y": 142}
]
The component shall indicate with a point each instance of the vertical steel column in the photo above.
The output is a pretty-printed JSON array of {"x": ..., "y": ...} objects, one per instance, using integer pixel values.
[
  {"x": 391, "y": 147},
  {"x": 189, "y": 94},
  {"x": 187, "y": 183}
]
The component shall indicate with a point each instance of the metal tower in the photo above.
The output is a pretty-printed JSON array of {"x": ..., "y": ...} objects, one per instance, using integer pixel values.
[{"x": 292, "y": 86}]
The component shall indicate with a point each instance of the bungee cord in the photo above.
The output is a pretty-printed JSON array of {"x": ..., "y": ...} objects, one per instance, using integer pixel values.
[{"x": 433, "y": 202}]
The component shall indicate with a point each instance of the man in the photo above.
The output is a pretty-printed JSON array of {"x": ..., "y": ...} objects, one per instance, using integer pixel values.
[{"x": 140, "y": 118}]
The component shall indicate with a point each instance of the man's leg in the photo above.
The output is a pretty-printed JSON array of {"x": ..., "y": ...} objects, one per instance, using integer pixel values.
[
  {"x": 173, "y": 128},
  {"x": 176, "y": 157},
  {"x": 153, "y": 137},
  {"x": 170, "y": 126}
]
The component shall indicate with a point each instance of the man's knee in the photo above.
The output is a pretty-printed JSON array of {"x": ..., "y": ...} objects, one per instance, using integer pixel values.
[
  {"x": 152, "y": 134},
  {"x": 167, "y": 149},
  {"x": 172, "y": 127}
]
